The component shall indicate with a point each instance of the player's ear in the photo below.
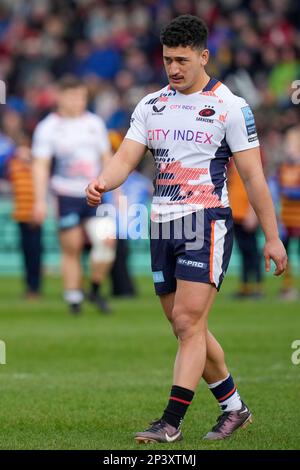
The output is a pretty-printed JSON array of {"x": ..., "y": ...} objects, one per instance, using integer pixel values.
[{"x": 204, "y": 56}]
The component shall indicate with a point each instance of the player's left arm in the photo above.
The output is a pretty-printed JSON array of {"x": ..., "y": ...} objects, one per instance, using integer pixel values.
[
  {"x": 106, "y": 158},
  {"x": 249, "y": 166}
]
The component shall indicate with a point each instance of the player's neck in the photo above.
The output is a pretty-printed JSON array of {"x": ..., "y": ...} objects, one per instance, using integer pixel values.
[{"x": 197, "y": 86}]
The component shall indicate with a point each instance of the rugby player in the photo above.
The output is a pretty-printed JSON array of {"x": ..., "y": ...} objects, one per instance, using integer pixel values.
[
  {"x": 192, "y": 127},
  {"x": 70, "y": 147}
]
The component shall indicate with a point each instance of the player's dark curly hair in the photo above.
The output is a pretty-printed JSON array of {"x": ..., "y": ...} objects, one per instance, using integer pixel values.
[{"x": 185, "y": 30}]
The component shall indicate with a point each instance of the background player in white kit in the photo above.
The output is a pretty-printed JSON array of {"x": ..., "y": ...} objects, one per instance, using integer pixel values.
[
  {"x": 192, "y": 127},
  {"x": 70, "y": 147}
]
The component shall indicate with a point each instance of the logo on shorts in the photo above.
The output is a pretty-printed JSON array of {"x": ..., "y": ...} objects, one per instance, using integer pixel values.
[
  {"x": 69, "y": 220},
  {"x": 158, "y": 276},
  {"x": 191, "y": 264}
]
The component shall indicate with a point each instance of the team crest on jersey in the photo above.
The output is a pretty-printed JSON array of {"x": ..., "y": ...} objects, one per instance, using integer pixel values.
[{"x": 205, "y": 114}]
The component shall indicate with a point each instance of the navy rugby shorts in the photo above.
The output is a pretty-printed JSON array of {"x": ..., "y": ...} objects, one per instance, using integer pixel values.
[
  {"x": 196, "y": 247},
  {"x": 72, "y": 211}
]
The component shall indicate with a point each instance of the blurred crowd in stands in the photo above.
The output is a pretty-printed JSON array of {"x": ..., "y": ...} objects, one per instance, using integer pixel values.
[{"x": 113, "y": 45}]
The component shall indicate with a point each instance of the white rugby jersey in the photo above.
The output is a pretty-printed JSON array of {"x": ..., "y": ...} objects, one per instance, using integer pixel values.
[
  {"x": 76, "y": 145},
  {"x": 191, "y": 138}
]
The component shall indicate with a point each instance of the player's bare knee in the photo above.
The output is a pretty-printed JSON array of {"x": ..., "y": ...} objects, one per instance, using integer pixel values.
[
  {"x": 183, "y": 325},
  {"x": 187, "y": 322}
]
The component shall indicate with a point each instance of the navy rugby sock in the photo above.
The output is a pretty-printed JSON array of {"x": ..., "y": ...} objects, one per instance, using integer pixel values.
[
  {"x": 226, "y": 394},
  {"x": 179, "y": 401}
]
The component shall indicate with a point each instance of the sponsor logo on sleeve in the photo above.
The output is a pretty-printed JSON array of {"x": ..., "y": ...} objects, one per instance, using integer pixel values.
[{"x": 250, "y": 123}]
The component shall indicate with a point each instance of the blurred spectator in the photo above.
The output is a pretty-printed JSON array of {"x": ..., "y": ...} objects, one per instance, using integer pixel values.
[
  {"x": 7, "y": 150},
  {"x": 12, "y": 124},
  {"x": 289, "y": 190},
  {"x": 254, "y": 45},
  {"x": 284, "y": 73},
  {"x": 20, "y": 175},
  {"x": 257, "y": 40}
]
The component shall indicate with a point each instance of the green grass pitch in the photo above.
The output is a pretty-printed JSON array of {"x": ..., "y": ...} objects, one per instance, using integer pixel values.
[{"x": 92, "y": 382}]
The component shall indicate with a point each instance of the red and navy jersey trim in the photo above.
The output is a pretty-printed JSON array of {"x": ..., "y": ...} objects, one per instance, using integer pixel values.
[{"x": 212, "y": 85}]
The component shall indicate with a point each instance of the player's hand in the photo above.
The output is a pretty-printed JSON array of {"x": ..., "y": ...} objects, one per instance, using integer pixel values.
[
  {"x": 94, "y": 192},
  {"x": 274, "y": 250},
  {"x": 39, "y": 213}
]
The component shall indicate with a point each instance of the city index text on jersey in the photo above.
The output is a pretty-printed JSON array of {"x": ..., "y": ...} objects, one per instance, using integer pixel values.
[{"x": 188, "y": 135}]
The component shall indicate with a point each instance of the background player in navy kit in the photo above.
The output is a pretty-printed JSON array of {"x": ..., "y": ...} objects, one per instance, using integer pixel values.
[{"x": 192, "y": 180}]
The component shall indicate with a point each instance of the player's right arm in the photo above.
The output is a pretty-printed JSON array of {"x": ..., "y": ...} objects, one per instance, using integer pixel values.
[{"x": 116, "y": 172}]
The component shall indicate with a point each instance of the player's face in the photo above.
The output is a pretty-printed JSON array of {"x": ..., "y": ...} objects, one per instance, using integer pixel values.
[
  {"x": 185, "y": 67},
  {"x": 73, "y": 101}
]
